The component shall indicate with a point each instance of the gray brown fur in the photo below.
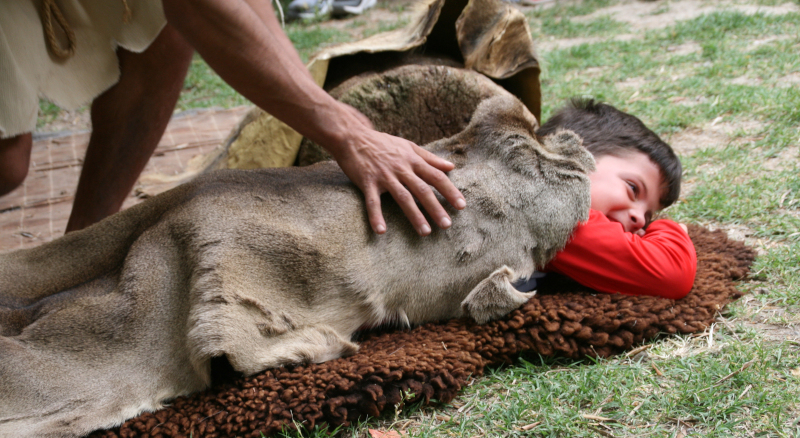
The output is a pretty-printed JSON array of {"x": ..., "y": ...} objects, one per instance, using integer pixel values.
[{"x": 270, "y": 267}]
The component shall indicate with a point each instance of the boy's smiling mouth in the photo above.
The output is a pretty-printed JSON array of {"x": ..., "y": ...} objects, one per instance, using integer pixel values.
[{"x": 616, "y": 221}]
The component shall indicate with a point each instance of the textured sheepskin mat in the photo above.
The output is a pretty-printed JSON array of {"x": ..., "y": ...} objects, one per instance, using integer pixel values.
[{"x": 436, "y": 360}]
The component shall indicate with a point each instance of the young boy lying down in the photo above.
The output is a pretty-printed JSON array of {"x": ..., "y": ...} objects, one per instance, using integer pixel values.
[{"x": 619, "y": 249}]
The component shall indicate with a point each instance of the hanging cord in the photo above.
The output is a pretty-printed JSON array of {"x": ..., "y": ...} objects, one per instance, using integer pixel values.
[
  {"x": 280, "y": 11},
  {"x": 49, "y": 11}
]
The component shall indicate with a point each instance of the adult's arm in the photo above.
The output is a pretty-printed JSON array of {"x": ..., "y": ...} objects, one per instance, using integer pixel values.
[
  {"x": 601, "y": 255},
  {"x": 244, "y": 43}
]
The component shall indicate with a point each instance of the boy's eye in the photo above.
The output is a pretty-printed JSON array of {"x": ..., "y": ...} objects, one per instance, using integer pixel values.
[{"x": 634, "y": 188}]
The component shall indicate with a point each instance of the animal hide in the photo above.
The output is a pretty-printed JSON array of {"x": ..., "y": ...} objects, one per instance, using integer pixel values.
[
  {"x": 270, "y": 267},
  {"x": 420, "y": 103},
  {"x": 435, "y": 361}
]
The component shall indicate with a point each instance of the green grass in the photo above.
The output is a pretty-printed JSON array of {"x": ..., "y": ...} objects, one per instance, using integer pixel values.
[
  {"x": 392, "y": 6},
  {"x": 203, "y": 88},
  {"x": 48, "y": 112},
  {"x": 569, "y": 28}
]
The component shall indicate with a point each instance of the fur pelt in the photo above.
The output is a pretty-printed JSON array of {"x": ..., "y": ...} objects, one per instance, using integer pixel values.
[
  {"x": 270, "y": 268},
  {"x": 435, "y": 361}
]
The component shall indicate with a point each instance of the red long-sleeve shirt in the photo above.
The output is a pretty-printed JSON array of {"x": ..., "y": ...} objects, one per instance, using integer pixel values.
[{"x": 601, "y": 255}]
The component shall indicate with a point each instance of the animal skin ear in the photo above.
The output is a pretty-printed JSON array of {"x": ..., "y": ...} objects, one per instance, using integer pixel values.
[
  {"x": 501, "y": 114},
  {"x": 530, "y": 119},
  {"x": 569, "y": 144},
  {"x": 494, "y": 297},
  {"x": 506, "y": 111}
]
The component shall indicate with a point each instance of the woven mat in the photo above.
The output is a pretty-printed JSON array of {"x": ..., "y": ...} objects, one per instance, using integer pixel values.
[{"x": 435, "y": 361}]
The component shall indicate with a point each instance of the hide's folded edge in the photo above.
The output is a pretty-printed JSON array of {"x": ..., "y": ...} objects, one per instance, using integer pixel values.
[
  {"x": 434, "y": 361},
  {"x": 487, "y": 36}
]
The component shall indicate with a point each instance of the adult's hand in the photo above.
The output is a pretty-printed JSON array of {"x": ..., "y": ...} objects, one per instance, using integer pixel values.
[
  {"x": 244, "y": 43},
  {"x": 378, "y": 163}
]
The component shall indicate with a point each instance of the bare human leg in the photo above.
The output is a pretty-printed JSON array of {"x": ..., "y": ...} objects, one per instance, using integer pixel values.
[
  {"x": 128, "y": 121},
  {"x": 15, "y": 157}
]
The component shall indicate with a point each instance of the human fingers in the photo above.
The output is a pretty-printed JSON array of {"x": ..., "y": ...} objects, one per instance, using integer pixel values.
[
  {"x": 683, "y": 227},
  {"x": 427, "y": 198},
  {"x": 406, "y": 201},
  {"x": 434, "y": 160},
  {"x": 372, "y": 198},
  {"x": 434, "y": 175}
]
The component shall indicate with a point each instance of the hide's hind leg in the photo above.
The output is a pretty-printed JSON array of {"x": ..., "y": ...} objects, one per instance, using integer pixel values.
[
  {"x": 494, "y": 297},
  {"x": 254, "y": 353},
  {"x": 310, "y": 344},
  {"x": 257, "y": 331},
  {"x": 253, "y": 305}
]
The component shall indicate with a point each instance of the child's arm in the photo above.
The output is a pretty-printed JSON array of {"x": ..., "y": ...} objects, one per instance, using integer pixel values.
[{"x": 601, "y": 255}]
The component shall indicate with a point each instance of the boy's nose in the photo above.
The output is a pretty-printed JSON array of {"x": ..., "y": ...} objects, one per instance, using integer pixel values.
[{"x": 637, "y": 221}]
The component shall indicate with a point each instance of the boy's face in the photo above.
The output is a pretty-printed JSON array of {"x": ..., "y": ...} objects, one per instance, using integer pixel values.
[{"x": 626, "y": 189}]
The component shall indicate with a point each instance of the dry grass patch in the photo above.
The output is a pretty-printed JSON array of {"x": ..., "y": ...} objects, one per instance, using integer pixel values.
[
  {"x": 790, "y": 80},
  {"x": 714, "y": 135},
  {"x": 746, "y": 80},
  {"x": 632, "y": 83},
  {"x": 744, "y": 233},
  {"x": 786, "y": 159},
  {"x": 553, "y": 43},
  {"x": 687, "y": 346},
  {"x": 765, "y": 313},
  {"x": 775, "y": 332},
  {"x": 692, "y": 139},
  {"x": 685, "y": 49},
  {"x": 76, "y": 120},
  {"x": 642, "y": 15},
  {"x": 755, "y": 44}
]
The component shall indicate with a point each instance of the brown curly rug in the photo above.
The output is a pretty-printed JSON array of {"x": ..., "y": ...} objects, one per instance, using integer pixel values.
[{"x": 436, "y": 360}]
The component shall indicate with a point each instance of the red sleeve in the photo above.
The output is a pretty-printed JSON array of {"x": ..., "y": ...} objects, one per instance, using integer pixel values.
[{"x": 601, "y": 255}]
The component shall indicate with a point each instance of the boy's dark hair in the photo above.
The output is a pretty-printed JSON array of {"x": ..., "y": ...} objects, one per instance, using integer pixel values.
[{"x": 608, "y": 131}]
